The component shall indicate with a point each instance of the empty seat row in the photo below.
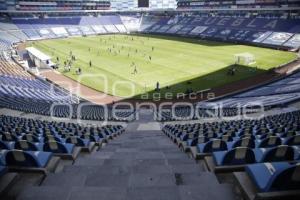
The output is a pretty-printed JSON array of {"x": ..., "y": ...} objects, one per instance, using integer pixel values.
[
  {"x": 276, "y": 180},
  {"x": 236, "y": 159},
  {"x": 65, "y": 150},
  {"x": 28, "y": 144},
  {"x": 261, "y": 153},
  {"x": 28, "y": 160}
]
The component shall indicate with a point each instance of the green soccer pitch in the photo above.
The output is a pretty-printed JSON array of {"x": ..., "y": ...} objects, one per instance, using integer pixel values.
[{"x": 178, "y": 64}]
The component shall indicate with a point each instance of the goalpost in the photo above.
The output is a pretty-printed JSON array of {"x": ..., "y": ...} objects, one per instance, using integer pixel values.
[{"x": 245, "y": 59}]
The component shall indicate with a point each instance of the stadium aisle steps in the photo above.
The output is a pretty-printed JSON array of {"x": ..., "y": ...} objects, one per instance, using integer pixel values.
[{"x": 137, "y": 165}]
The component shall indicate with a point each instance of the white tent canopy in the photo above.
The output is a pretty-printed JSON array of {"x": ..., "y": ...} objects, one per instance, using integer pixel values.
[
  {"x": 40, "y": 59},
  {"x": 38, "y": 54}
]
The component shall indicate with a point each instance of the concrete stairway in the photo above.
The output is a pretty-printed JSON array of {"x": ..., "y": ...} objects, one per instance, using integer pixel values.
[{"x": 138, "y": 165}]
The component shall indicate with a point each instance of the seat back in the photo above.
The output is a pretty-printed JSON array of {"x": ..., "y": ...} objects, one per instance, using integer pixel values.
[
  {"x": 210, "y": 135},
  {"x": 288, "y": 134},
  {"x": 88, "y": 137},
  {"x": 201, "y": 139},
  {"x": 244, "y": 142},
  {"x": 294, "y": 140},
  {"x": 54, "y": 147},
  {"x": 51, "y": 138},
  {"x": 280, "y": 153},
  {"x": 75, "y": 140},
  {"x": 3, "y": 145},
  {"x": 215, "y": 145},
  {"x": 288, "y": 179},
  {"x": 239, "y": 156},
  {"x": 25, "y": 146},
  {"x": 20, "y": 158},
  {"x": 271, "y": 141},
  {"x": 226, "y": 138},
  {"x": 30, "y": 138},
  {"x": 9, "y": 137}
]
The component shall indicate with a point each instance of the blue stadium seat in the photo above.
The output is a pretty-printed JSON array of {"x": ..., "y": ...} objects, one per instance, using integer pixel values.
[
  {"x": 236, "y": 156},
  {"x": 85, "y": 145},
  {"x": 226, "y": 138},
  {"x": 19, "y": 158},
  {"x": 243, "y": 142},
  {"x": 279, "y": 153},
  {"x": 6, "y": 145},
  {"x": 25, "y": 146},
  {"x": 98, "y": 140},
  {"x": 293, "y": 140},
  {"x": 9, "y": 137},
  {"x": 288, "y": 134},
  {"x": 57, "y": 147},
  {"x": 198, "y": 140},
  {"x": 207, "y": 148},
  {"x": 30, "y": 138},
  {"x": 53, "y": 138},
  {"x": 275, "y": 176},
  {"x": 213, "y": 145},
  {"x": 63, "y": 150},
  {"x": 271, "y": 141},
  {"x": 267, "y": 135}
]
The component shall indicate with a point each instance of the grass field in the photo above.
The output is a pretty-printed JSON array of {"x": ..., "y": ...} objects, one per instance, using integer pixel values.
[{"x": 174, "y": 61}]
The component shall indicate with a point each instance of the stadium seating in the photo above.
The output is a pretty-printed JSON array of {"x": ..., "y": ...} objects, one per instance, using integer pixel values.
[
  {"x": 33, "y": 161},
  {"x": 263, "y": 31},
  {"x": 238, "y": 158},
  {"x": 261, "y": 153},
  {"x": 270, "y": 180},
  {"x": 277, "y": 93},
  {"x": 18, "y": 87},
  {"x": 190, "y": 4},
  {"x": 63, "y": 150},
  {"x": 266, "y": 133},
  {"x": 61, "y": 6},
  {"x": 266, "y": 184},
  {"x": 280, "y": 92},
  {"x": 35, "y": 28},
  {"x": 59, "y": 149},
  {"x": 36, "y": 146}
]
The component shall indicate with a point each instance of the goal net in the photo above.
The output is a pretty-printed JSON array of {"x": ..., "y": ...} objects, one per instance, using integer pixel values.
[{"x": 244, "y": 59}]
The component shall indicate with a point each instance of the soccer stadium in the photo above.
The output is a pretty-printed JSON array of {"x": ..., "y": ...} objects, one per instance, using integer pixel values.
[{"x": 149, "y": 99}]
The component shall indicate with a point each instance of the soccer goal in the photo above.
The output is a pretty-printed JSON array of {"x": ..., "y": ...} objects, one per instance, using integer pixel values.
[{"x": 244, "y": 59}]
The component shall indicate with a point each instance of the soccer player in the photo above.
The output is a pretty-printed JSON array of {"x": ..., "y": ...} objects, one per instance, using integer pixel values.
[
  {"x": 90, "y": 63},
  {"x": 135, "y": 70}
]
